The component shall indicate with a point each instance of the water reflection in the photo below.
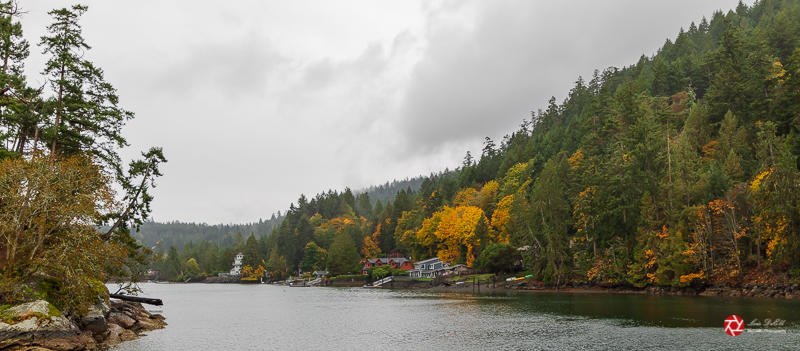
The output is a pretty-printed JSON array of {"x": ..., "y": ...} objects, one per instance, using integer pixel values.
[{"x": 662, "y": 311}]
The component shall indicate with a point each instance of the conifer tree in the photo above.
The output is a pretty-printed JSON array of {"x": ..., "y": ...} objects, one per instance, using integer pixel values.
[
  {"x": 86, "y": 112},
  {"x": 19, "y": 105}
]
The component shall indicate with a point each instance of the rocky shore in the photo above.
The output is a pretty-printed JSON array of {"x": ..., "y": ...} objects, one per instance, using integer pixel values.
[{"x": 40, "y": 326}]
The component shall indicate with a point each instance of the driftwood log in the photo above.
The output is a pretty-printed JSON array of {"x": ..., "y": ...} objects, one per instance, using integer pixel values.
[{"x": 147, "y": 300}]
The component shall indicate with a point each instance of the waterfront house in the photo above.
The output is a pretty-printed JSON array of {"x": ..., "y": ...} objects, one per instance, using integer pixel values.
[
  {"x": 236, "y": 270},
  {"x": 394, "y": 262},
  {"x": 430, "y": 268},
  {"x": 401, "y": 263}
]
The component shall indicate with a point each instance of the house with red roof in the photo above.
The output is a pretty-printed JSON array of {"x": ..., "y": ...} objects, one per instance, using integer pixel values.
[{"x": 394, "y": 262}]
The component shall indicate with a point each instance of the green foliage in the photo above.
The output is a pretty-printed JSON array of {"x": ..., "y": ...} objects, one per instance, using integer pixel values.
[
  {"x": 380, "y": 272},
  {"x": 173, "y": 268},
  {"x": 178, "y": 234},
  {"x": 251, "y": 252},
  {"x": 349, "y": 276},
  {"x": 86, "y": 107},
  {"x": 192, "y": 269},
  {"x": 551, "y": 220},
  {"x": 314, "y": 258},
  {"x": 342, "y": 256},
  {"x": 498, "y": 258},
  {"x": 53, "y": 310}
]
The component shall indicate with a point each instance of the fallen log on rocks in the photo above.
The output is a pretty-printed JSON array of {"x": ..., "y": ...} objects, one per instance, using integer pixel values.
[{"x": 147, "y": 300}]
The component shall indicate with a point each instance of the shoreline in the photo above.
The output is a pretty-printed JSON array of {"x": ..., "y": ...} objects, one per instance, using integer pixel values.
[
  {"x": 758, "y": 291},
  {"x": 754, "y": 291},
  {"x": 41, "y": 327}
]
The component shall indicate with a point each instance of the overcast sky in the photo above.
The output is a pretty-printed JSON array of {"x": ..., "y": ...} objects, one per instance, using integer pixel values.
[{"x": 256, "y": 102}]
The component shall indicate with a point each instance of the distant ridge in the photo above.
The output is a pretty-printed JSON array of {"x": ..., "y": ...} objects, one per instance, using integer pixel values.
[{"x": 178, "y": 234}]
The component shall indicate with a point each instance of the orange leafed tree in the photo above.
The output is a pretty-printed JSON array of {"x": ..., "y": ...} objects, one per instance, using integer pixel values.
[
  {"x": 718, "y": 230},
  {"x": 576, "y": 159},
  {"x": 247, "y": 272},
  {"x": 370, "y": 249}
]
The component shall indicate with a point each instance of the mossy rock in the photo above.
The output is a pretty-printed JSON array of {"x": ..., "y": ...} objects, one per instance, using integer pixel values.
[
  {"x": 5, "y": 315},
  {"x": 40, "y": 309},
  {"x": 54, "y": 312},
  {"x": 99, "y": 288}
]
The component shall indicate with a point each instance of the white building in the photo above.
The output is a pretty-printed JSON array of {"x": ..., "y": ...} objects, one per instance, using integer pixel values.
[{"x": 237, "y": 264}]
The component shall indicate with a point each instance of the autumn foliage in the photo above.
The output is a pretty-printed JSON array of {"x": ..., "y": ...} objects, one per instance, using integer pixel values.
[
  {"x": 680, "y": 170},
  {"x": 48, "y": 229}
]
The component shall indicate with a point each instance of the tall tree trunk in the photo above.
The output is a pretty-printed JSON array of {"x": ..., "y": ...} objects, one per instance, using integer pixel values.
[
  {"x": 59, "y": 111},
  {"x": 35, "y": 140},
  {"x": 758, "y": 250},
  {"x": 21, "y": 140}
]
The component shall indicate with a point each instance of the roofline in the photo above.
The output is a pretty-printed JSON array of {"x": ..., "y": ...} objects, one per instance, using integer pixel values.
[{"x": 430, "y": 259}]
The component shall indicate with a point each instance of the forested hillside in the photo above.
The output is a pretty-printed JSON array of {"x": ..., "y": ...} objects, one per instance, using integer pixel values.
[
  {"x": 681, "y": 169},
  {"x": 163, "y": 235},
  {"x": 176, "y": 233},
  {"x": 386, "y": 192}
]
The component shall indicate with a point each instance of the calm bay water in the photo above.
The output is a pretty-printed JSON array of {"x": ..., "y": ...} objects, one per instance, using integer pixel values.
[{"x": 267, "y": 317}]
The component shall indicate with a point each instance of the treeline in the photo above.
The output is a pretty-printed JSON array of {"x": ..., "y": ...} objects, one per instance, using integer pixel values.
[
  {"x": 195, "y": 250},
  {"x": 680, "y": 169},
  {"x": 205, "y": 258},
  {"x": 190, "y": 250},
  {"x": 161, "y": 236},
  {"x": 351, "y": 213},
  {"x": 387, "y": 191}
]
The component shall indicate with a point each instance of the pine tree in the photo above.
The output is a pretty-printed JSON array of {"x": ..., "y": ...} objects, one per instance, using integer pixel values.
[
  {"x": 251, "y": 254},
  {"x": 173, "y": 265},
  {"x": 343, "y": 256},
  {"x": 314, "y": 258},
  {"x": 551, "y": 217},
  {"x": 87, "y": 116},
  {"x": 19, "y": 104}
]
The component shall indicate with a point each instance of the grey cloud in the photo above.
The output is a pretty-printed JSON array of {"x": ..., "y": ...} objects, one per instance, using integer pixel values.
[
  {"x": 482, "y": 76},
  {"x": 241, "y": 67}
]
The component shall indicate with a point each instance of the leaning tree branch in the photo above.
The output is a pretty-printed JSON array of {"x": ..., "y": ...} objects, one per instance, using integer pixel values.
[{"x": 132, "y": 203}]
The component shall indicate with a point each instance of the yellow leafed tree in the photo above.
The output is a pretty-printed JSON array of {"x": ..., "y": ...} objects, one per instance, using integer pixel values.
[
  {"x": 426, "y": 235},
  {"x": 487, "y": 197},
  {"x": 370, "y": 249},
  {"x": 466, "y": 197},
  {"x": 456, "y": 231},
  {"x": 500, "y": 219}
]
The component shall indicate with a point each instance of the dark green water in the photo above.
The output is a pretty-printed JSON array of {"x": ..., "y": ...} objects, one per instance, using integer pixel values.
[{"x": 264, "y": 317}]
